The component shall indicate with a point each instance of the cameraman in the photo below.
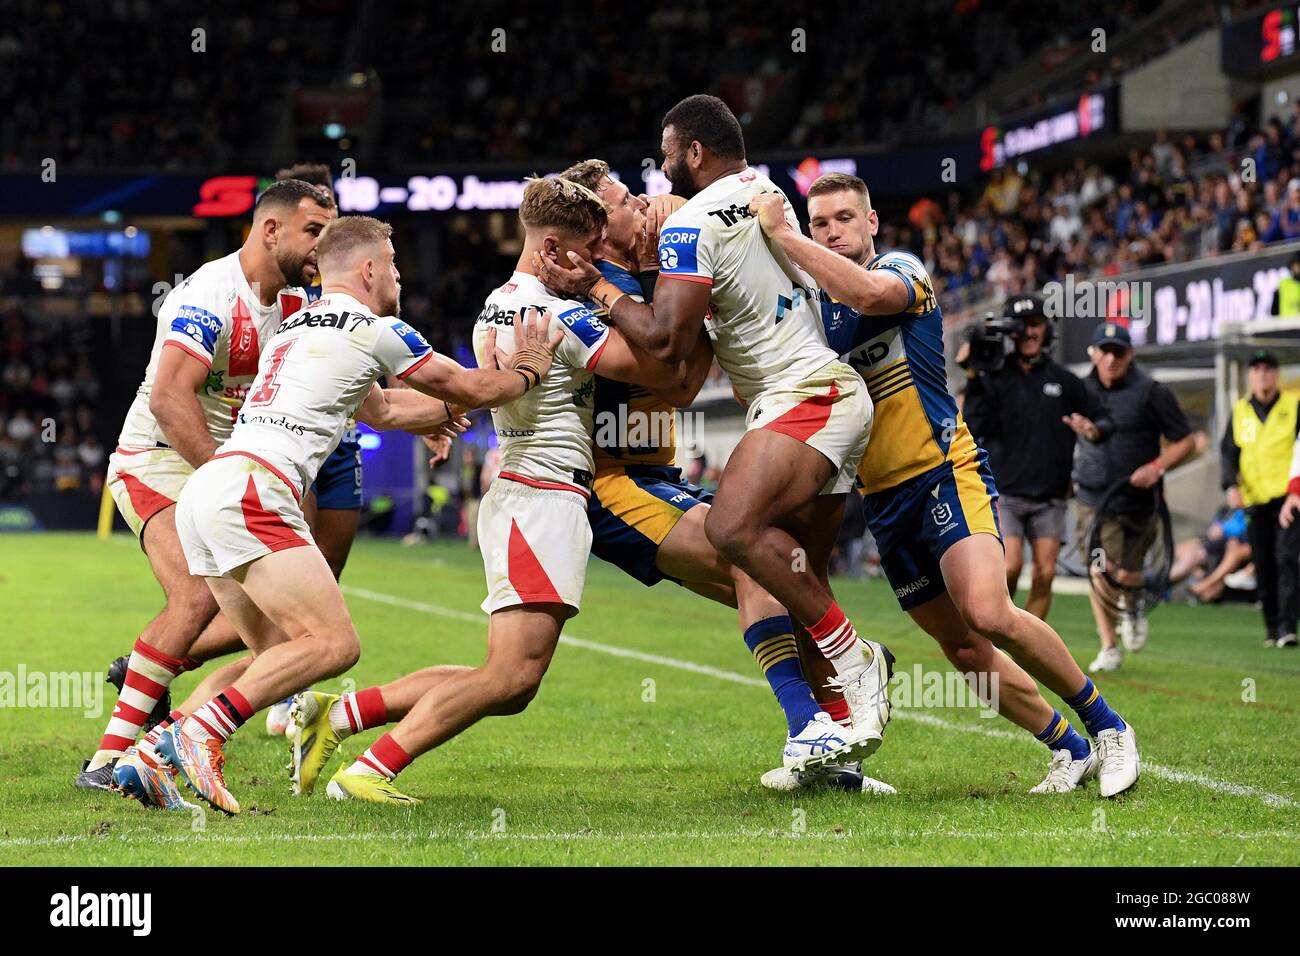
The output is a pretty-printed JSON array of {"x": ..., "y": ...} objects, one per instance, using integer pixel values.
[{"x": 1027, "y": 413}]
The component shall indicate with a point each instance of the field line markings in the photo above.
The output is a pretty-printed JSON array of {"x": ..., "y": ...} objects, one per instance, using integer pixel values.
[
  {"x": 152, "y": 838},
  {"x": 1166, "y": 773}
]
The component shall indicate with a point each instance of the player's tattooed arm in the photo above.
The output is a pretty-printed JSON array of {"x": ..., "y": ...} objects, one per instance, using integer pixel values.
[
  {"x": 504, "y": 377},
  {"x": 870, "y": 292},
  {"x": 174, "y": 402}
]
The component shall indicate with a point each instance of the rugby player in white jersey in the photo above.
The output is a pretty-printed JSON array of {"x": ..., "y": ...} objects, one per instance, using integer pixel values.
[
  {"x": 649, "y": 521},
  {"x": 532, "y": 523},
  {"x": 239, "y": 518},
  {"x": 332, "y": 508},
  {"x": 781, "y": 497},
  {"x": 210, "y": 330}
]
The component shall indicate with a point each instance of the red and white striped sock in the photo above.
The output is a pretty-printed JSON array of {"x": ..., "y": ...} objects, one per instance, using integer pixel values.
[
  {"x": 220, "y": 717},
  {"x": 150, "y": 740},
  {"x": 149, "y": 672},
  {"x": 837, "y": 640},
  {"x": 385, "y": 758},
  {"x": 838, "y": 710},
  {"x": 353, "y": 713}
]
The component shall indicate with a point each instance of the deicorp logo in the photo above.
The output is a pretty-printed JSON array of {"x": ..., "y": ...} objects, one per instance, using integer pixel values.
[{"x": 77, "y": 909}]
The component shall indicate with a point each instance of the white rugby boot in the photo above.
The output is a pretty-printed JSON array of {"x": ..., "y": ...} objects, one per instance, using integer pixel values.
[
  {"x": 845, "y": 776},
  {"x": 823, "y": 741},
  {"x": 1065, "y": 773},
  {"x": 1118, "y": 762},
  {"x": 866, "y": 691}
]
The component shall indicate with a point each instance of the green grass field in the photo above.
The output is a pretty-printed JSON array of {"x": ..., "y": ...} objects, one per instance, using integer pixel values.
[{"x": 594, "y": 773}]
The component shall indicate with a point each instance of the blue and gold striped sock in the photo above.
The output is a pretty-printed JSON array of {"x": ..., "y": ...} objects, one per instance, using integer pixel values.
[
  {"x": 1059, "y": 735},
  {"x": 1093, "y": 709},
  {"x": 771, "y": 641}
]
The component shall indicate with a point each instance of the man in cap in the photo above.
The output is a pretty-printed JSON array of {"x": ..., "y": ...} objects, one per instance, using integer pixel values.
[{"x": 1142, "y": 411}]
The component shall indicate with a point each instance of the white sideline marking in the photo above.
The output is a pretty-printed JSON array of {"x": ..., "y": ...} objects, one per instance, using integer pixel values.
[
  {"x": 149, "y": 837},
  {"x": 1157, "y": 770}
]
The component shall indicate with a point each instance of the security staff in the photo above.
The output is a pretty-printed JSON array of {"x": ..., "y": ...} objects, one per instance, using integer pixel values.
[
  {"x": 1286, "y": 300},
  {"x": 1256, "y": 461},
  {"x": 1142, "y": 410},
  {"x": 1028, "y": 415}
]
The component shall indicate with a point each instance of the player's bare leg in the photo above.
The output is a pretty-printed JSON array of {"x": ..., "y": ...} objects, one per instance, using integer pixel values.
[
  {"x": 973, "y": 576},
  {"x": 333, "y": 530},
  {"x": 319, "y": 722},
  {"x": 521, "y": 642},
  {"x": 1014, "y": 695},
  {"x": 980, "y": 595},
  {"x": 688, "y": 555},
  {"x": 770, "y": 518},
  {"x": 207, "y": 688},
  {"x": 767, "y": 478},
  {"x": 158, "y": 656},
  {"x": 1014, "y": 548},
  {"x": 290, "y": 612},
  {"x": 1044, "y": 552},
  {"x": 218, "y": 639}
]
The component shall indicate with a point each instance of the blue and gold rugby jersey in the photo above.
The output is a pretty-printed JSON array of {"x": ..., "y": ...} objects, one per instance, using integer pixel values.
[
  {"x": 625, "y": 413},
  {"x": 917, "y": 425}
]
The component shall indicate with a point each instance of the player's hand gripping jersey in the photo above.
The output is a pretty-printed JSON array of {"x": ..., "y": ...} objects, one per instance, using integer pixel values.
[
  {"x": 214, "y": 316},
  {"x": 765, "y": 323},
  {"x": 900, "y": 357},
  {"x": 532, "y": 523},
  {"x": 313, "y": 376}
]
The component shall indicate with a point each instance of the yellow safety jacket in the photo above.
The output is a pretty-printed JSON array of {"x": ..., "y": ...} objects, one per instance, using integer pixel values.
[{"x": 1265, "y": 446}]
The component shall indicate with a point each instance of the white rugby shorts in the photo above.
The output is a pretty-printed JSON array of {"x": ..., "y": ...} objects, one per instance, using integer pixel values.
[
  {"x": 236, "y": 509},
  {"x": 830, "y": 411},
  {"x": 535, "y": 540}
]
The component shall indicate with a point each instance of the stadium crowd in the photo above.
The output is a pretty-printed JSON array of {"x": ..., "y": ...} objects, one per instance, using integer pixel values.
[
  {"x": 1179, "y": 198},
  {"x": 48, "y": 429},
  {"x": 154, "y": 95}
]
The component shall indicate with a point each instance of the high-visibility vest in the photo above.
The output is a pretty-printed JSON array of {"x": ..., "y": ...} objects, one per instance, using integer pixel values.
[
  {"x": 1288, "y": 296},
  {"x": 1266, "y": 448}
]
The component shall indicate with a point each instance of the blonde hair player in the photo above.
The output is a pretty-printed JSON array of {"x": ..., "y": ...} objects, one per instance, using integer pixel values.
[
  {"x": 240, "y": 518},
  {"x": 532, "y": 522}
]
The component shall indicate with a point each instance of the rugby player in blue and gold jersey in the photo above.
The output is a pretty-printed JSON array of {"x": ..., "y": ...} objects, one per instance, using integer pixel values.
[{"x": 929, "y": 494}]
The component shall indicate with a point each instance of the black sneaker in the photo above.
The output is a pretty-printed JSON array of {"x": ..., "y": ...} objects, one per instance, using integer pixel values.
[
  {"x": 101, "y": 779},
  {"x": 117, "y": 677}
]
